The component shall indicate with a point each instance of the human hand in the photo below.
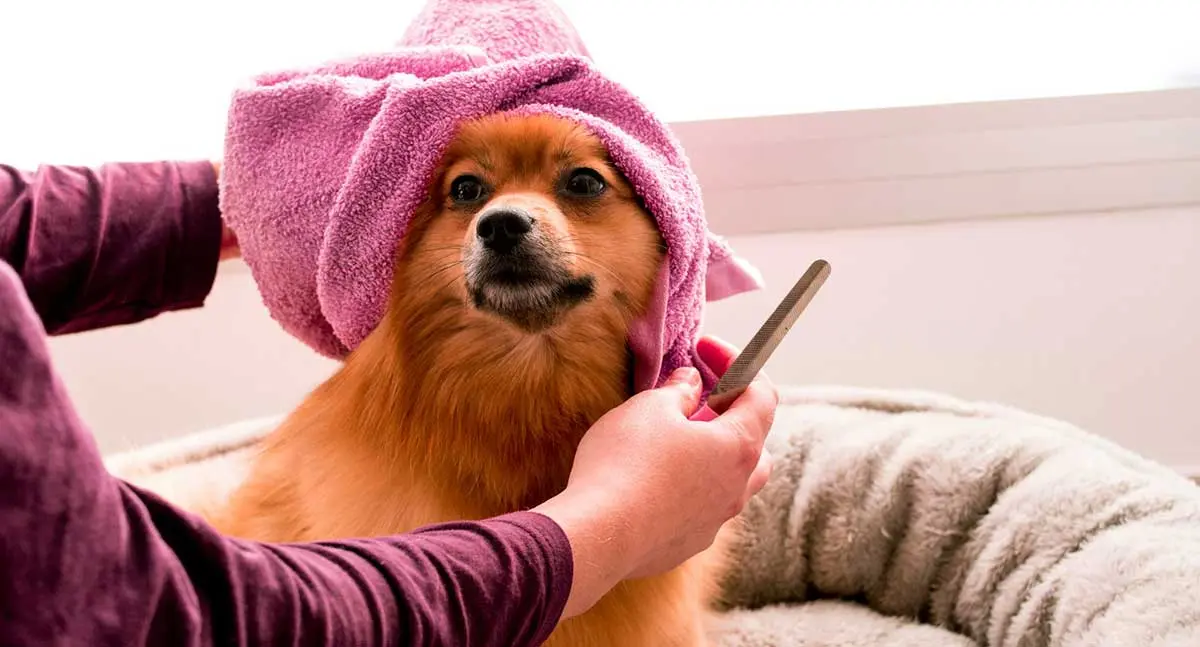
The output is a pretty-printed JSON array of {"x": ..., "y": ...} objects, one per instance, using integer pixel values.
[
  {"x": 229, "y": 242},
  {"x": 650, "y": 489}
]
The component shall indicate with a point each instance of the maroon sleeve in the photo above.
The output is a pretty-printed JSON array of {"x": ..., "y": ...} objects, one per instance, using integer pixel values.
[
  {"x": 112, "y": 245},
  {"x": 86, "y": 559}
]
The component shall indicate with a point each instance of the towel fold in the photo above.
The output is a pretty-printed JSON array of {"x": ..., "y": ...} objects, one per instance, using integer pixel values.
[{"x": 325, "y": 166}]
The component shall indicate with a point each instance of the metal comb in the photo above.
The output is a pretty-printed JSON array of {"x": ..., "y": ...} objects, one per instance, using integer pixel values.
[{"x": 767, "y": 339}]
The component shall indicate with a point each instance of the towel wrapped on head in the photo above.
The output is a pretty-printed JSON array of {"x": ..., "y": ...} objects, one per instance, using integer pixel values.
[{"x": 324, "y": 168}]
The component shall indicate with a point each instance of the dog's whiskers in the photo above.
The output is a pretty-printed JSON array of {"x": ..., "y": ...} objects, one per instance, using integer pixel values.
[
  {"x": 445, "y": 248},
  {"x": 446, "y": 284},
  {"x": 443, "y": 268},
  {"x": 568, "y": 239},
  {"x": 595, "y": 263}
]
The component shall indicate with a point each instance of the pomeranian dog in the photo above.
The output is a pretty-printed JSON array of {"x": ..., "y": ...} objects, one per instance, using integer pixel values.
[{"x": 503, "y": 342}]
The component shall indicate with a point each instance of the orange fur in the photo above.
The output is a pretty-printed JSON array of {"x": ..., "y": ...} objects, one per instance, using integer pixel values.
[{"x": 446, "y": 412}]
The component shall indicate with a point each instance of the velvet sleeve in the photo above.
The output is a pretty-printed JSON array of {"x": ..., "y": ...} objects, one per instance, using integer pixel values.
[
  {"x": 112, "y": 245},
  {"x": 86, "y": 559}
]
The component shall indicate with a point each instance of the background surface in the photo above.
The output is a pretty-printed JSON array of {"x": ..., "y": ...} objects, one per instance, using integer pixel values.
[{"x": 1087, "y": 317}]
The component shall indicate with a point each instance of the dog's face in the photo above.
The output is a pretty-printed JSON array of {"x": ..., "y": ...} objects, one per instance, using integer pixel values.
[{"x": 531, "y": 230}]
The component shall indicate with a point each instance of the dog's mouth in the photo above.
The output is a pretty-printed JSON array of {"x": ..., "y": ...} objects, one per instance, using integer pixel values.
[
  {"x": 516, "y": 272},
  {"x": 532, "y": 293}
]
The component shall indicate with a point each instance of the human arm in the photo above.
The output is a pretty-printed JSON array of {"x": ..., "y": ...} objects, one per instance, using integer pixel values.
[
  {"x": 115, "y": 244},
  {"x": 87, "y": 559}
]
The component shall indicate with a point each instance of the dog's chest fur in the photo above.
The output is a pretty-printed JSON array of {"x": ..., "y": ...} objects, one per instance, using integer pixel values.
[{"x": 372, "y": 453}]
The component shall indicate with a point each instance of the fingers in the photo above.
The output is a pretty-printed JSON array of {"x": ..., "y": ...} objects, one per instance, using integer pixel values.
[
  {"x": 760, "y": 476},
  {"x": 753, "y": 412},
  {"x": 684, "y": 386},
  {"x": 229, "y": 244},
  {"x": 717, "y": 354}
]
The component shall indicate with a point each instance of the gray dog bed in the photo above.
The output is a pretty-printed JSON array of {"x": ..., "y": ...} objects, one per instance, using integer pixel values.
[{"x": 906, "y": 519}]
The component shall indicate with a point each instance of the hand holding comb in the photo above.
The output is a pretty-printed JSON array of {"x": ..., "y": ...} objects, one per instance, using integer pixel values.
[{"x": 752, "y": 358}]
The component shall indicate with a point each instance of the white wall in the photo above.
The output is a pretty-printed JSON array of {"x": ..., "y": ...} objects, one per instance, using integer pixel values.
[
  {"x": 147, "y": 79},
  {"x": 187, "y": 371},
  {"x": 1090, "y": 318}
]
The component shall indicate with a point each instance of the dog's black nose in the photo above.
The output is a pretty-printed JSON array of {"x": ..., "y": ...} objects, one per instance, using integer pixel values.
[{"x": 503, "y": 229}]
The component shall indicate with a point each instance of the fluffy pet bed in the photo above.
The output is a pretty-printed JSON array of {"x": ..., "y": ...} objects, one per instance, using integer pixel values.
[{"x": 906, "y": 519}]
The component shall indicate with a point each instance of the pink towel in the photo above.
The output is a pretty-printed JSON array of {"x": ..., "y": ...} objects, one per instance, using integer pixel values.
[{"x": 324, "y": 167}]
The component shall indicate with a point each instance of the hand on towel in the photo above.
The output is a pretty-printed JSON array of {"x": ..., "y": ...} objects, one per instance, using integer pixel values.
[
  {"x": 650, "y": 489},
  {"x": 229, "y": 242}
]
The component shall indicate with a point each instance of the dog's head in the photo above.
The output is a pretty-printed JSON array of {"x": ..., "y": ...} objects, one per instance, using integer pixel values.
[{"x": 529, "y": 232}]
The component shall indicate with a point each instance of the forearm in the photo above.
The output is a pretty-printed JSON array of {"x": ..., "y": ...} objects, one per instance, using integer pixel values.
[
  {"x": 500, "y": 582},
  {"x": 87, "y": 559},
  {"x": 113, "y": 245},
  {"x": 595, "y": 529}
]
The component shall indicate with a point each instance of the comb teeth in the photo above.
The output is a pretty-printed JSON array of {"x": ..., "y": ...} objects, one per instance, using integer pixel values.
[{"x": 752, "y": 358}]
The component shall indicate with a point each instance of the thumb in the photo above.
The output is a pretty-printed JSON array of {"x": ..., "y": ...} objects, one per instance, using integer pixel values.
[{"x": 684, "y": 386}]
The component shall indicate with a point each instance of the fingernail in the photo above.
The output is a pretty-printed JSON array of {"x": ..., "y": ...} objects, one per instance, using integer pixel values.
[{"x": 684, "y": 375}]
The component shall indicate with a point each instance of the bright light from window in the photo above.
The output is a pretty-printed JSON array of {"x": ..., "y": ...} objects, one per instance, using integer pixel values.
[{"x": 141, "y": 79}]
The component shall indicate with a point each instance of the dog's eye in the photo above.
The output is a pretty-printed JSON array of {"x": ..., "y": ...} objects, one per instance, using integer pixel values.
[
  {"x": 466, "y": 189},
  {"x": 584, "y": 183}
]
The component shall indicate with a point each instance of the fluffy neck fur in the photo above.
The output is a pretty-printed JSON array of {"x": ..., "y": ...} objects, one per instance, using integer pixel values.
[{"x": 491, "y": 415}]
